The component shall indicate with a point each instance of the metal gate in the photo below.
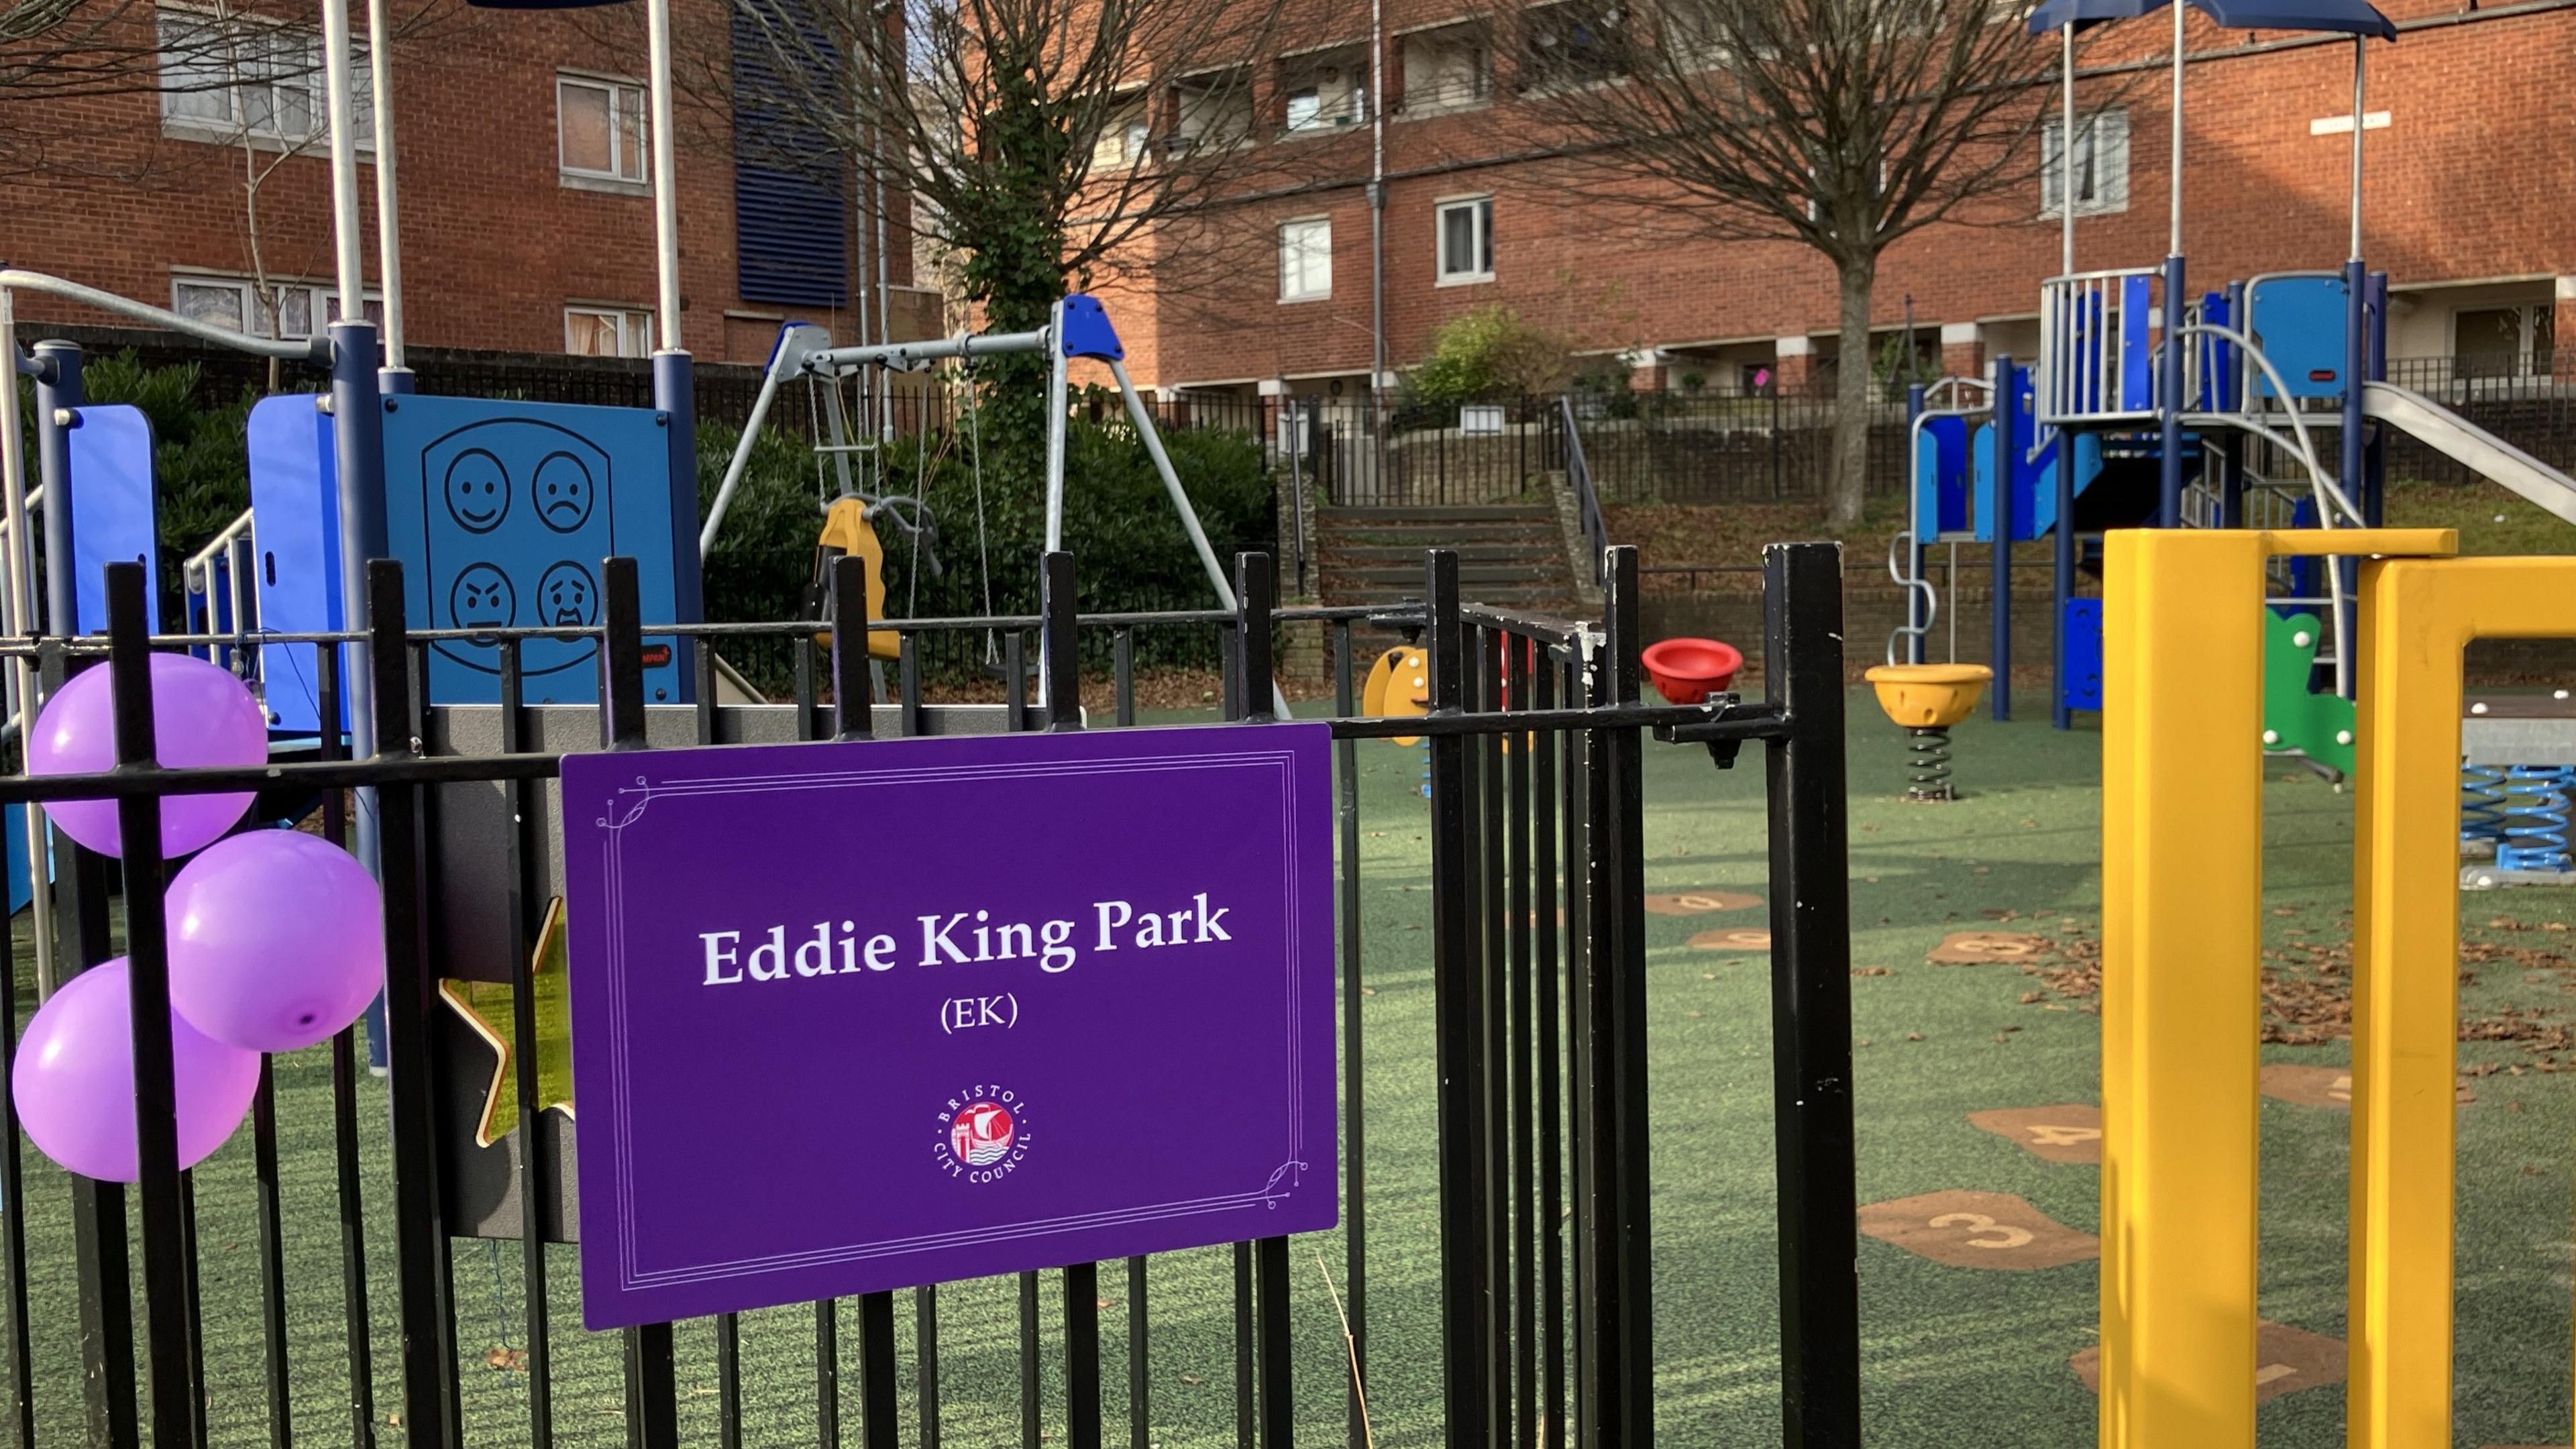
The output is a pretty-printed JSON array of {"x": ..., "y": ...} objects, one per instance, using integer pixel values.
[{"x": 1536, "y": 738}]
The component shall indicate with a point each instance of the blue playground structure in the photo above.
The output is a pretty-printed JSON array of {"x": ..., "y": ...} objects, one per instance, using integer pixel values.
[{"x": 2152, "y": 404}]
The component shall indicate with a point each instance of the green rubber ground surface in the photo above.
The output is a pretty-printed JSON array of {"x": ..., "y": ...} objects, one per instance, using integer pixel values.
[{"x": 1953, "y": 1355}]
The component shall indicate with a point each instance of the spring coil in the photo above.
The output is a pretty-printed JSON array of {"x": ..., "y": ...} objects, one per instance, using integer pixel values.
[
  {"x": 1927, "y": 764},
  {"x": 2482, "y": 803},
  {"x": 2535, "y": 831}
]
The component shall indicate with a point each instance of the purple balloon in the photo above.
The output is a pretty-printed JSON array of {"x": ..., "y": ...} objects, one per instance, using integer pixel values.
[
  {"x": 74, "y": 1080},
  {"x": 202, "y": 718},
  {"x": 276, "y": 940}
]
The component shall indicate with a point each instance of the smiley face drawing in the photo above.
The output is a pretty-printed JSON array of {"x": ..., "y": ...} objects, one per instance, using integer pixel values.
[
  {"x": 566, "y": 597},
  {"x": 563, "y": 492},
  {"x": 482, "y": 598},
  {"x": 477, "y": 491}
]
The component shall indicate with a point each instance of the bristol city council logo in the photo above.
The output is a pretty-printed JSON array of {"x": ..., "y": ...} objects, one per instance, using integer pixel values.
[{"x": 983, "y": 1133}]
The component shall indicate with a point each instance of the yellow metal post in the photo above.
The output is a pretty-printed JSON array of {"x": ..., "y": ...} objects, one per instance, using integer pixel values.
[
  {"x": 2182, "y": 843},
  {"x": 2417, "y": 616},
  {"x": 2181, "y": 971}
]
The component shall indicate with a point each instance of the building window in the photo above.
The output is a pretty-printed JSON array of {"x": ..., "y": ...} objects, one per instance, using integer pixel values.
[
  {"x": 1573, "y": 43},
  {"x": 1214, "y": 111},
  {"x": 1306, "y": 259},
  {"x": 285, "y": 309},
  {"x": 599, "y": 128},
  {"x": 1325, "y": 90},
  {"x": 1447, "y": 69},
  {"x": 1125, "y": 137},
  {"x": 591, "y": 331},
  {"x": 2101, "y": 164},
  {"x": 2505, "y": 341},
  {"x": 1466, "y": 240},
  {"x": 236, "y": 77}
]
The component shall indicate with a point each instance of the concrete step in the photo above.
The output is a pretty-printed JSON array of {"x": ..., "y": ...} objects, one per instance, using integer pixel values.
[
  {"x": 1386, "y": 555},
  {"x": 1448, "y": 514},
  {"x": 1471, "y": 578}
]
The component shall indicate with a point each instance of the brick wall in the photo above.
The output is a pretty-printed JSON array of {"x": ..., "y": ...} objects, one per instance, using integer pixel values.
[
  {"x": 495, "y": 242},
  {"x": 2466, "y": 182}
]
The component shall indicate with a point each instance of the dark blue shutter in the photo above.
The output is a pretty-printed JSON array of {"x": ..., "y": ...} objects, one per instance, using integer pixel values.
[{"x": 790, "y": 207}]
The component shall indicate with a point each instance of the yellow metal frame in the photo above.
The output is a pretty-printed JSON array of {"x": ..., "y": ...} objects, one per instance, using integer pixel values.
[{"x": 2181, "y": 969}]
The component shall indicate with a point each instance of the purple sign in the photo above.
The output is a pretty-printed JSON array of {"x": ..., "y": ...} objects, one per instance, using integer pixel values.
[{"x": 849, "y": 1017}]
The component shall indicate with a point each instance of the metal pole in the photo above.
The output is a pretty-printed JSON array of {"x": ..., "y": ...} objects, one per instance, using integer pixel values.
[
  {"x": 1377, "y": 245},
  {"x": 1915, "y": 623},
  {"x": 2356, "y": 286},
  {"x": 58, "y": 397},
  {"x": 2007, "y": 456},
  {"x": 666, "y": 181},
  {"x": 1144, "y": 421},
  {"x": 2065, "y": 153},
  {"x": 380, "y": 84},
  {"x": 2360, "y": 50},
  {"x": 170, "y": 1328},
  {"x": 2061, "y": 714},
  {"x": 357, "y": 430},
  {"x": 347, "y": 238},
  {"x": 21, "y": 621},
  {"x": 2169, "y": 403},
  {"x": 2173, "y": 233},
  {"x": 1055, "y": 404},
  {"x": 1811, "y": 1051},
  {"x": 674, "y": 385}
]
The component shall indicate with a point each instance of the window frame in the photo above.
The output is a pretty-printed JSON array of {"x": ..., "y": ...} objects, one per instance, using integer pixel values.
[
  {"x": 618, "y": 89},
  {"x": 1131, "y": 125},
  {"x": 2110, "y": 194},
  {"x": 626, "y": 315},
  {"x": 1481, "y": 206},
  {"x": 1417, "y": 103},
  {"x": 241, "y": 80},
  {"x": 1325, "y": 221},
  {"x": 321, "y": 300},
  {"x": 1302, "y": 75},
  {"x": 1555, "y": 64}
]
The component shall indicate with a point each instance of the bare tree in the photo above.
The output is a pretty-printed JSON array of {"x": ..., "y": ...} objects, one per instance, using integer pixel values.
[
  {"x": 1040, "y": 141},
  {"x": 1842, "y": 125},
  {"x": 59, "y": 58}
]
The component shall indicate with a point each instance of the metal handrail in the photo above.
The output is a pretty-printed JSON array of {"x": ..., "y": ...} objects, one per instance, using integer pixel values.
[
  {"x": 1899, "y": 549},
  {"x": 315, "y": 349},
  {"x": 1588, "y": 503},
  {"x": 197, "y": 571}
]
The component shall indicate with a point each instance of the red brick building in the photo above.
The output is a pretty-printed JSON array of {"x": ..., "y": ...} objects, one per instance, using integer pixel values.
[
  {"x": 2469, "y": 209},
  {"x": 526, "y": 220}
]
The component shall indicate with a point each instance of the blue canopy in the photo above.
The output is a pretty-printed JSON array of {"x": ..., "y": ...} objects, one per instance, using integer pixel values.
[
  {"x": 2343, "y": 17},
  {"x": 2088, "y": 13}
]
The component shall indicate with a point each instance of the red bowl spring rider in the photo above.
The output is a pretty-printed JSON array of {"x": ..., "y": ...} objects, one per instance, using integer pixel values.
[{"x": 1688, "y": 671}]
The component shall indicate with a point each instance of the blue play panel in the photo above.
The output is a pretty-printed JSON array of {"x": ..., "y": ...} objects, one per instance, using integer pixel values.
[{"x": 502, "y": 513}]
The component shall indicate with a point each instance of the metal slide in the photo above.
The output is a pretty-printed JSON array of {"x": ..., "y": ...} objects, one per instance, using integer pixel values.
[{"x": 2473, "y": 447}]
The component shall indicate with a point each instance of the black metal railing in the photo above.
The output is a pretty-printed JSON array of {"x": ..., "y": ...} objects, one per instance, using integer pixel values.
[
  {"x": 1587, "y": 502},
  {"x": 1545, "y": 1296}
]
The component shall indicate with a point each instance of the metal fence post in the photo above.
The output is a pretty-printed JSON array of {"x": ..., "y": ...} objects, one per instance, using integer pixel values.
[
  {"x": 1617, "y": 1313},
  {"x": 167, "y": 1297},
  {"x": 1458, "y": 1028},
  {"x": 427, "y": 1350},
  {"x": 1811, "y": 998}
]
